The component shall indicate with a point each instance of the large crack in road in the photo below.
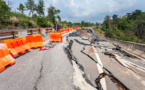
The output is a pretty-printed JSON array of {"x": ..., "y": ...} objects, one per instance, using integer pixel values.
[
  {"x": 50, "y": 45},
  {"x": 116, "y": 81},
  {"x": 39, "y": 78},
  {"x": 83, "y": 82}
]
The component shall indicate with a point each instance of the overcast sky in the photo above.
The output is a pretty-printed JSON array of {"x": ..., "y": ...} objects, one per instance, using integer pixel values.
[{"x": 88, "y": 10}]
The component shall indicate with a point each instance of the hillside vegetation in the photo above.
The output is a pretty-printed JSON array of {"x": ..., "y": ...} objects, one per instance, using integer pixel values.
[
  {"x": 17, "y": 20},
  {"x": 37, "y": 17},
  {"x": 130, "y": 27}
]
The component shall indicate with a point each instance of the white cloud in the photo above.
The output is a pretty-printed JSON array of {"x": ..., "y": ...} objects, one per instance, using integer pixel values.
[{"x": 84, "y": 9}]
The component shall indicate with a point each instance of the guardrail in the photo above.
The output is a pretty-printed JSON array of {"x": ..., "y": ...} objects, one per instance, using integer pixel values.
[
  {"x": 135, "y": 48},
  {"x": 8, "y": 35},
  {"x": 14, "y": 33}
]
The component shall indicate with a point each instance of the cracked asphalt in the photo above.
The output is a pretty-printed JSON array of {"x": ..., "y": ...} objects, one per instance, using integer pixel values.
[
  {"x": 53, "y": 70},
  {"x": 39, "y": 70}
]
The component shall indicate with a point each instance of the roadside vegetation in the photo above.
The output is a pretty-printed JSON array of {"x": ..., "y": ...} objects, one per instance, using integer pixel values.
[
  {"x": 36, "y": 18},
  {"x": 98, "y": 31},
  {"x": 76, "y": 24},
  {"x": 130, "y": 27}
]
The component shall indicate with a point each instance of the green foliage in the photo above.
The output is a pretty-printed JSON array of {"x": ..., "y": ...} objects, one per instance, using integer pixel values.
[
  {"x": 30, "y": 5},
  {"x": 40, "y": 8},
  {"x": 53, "y": 14},
  {"x": 82, "y": 24},
  {"x": 26, "y": 23},
  {"x": 34, "y": 15},
  {"x": 4, "y": 10},
  {"x": 21, "y": 8},
  {"x": 130, "y": 27},
  {"x": 42, "y": 21},
  {"x": 97, "y": 24},
  {"x": 19, "y": 15}
]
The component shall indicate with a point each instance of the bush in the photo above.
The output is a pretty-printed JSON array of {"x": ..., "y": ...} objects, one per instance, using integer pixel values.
[
  {"x": 42, "y": 21},
  {"x": 26, "y": 24}
]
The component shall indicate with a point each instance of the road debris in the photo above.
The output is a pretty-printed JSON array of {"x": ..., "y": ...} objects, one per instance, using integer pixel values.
[{"x": 43, "y": 48}]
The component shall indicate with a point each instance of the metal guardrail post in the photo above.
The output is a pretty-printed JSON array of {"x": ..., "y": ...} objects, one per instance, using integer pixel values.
[
  {"x": 40, "y": 30},
  {"x": 31, "y": 32},
  {"x": 13, "y": 33}
]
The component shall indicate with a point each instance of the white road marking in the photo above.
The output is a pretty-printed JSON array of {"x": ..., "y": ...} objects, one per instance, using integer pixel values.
[
  {"x": 100, "y": 69},
  {"x": 79, "y": 80}
]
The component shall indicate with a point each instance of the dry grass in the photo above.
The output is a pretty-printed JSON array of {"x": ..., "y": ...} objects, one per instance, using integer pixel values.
[
  {"x": 99, "y": 31},
  {"x": 14, "y": 19}
]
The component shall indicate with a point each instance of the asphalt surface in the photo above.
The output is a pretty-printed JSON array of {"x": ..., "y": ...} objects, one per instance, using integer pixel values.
[{"x": 73, "y": 67}]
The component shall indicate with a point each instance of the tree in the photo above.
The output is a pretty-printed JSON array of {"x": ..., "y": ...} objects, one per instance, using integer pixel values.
[
  {"x": 34, "y": 15},
  {"x": 136, "y": 13},
  {"x": 4, "y": 9},
  {"x": 30, "y": 5},
  {"x": 52, "y": 14},
  {"x": 40, "y": 8},
  {"x": 107, "y": 22},
  {"x": 115, "y": 19},
  {"x": 97, "y": 24},
  {"x": 82, "y": 23},
  {"x": 42, "y": 21},
  {"x": 69, "y": 24},
  {"x": 140, "y": 27},
  {"x": 59, "y": 18},
  {"x": 21, "y": 8}
]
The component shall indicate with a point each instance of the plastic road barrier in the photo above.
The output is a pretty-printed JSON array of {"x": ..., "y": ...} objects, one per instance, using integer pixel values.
[{"x": 5, "y": 57}]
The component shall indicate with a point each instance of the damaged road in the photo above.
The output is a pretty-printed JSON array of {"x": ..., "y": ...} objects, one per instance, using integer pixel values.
[{"x": 82, "y": 61}]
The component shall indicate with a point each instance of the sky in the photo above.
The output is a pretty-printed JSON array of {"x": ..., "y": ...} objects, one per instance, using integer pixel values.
[{"x": 87, "y": 10}]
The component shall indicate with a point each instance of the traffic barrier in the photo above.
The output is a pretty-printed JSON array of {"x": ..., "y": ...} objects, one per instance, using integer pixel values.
[
  {"x": 5, "y": 57},
  {"x": 35, "y": 41},
  {"x": 21, "y": 45},
  {"x": 39, "y": 40},
  {"x": 23, "y": 41},
  {"x": 30, "y": 42},
  {"x": 58, "y": 37},
  {"x": 55, "y": 37},
  {"x": 30, "y": 32},
  {"x": 51, "y": 37},
  {"x": 12, "y": 51},
  {"x": 14, "y": 44},
  {"x": 35, "y": 35}
]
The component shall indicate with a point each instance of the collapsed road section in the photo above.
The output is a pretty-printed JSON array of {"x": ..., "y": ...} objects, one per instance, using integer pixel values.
[
  {"x": 118, "y": 77},
  {"x": 81, "y": 61}
]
